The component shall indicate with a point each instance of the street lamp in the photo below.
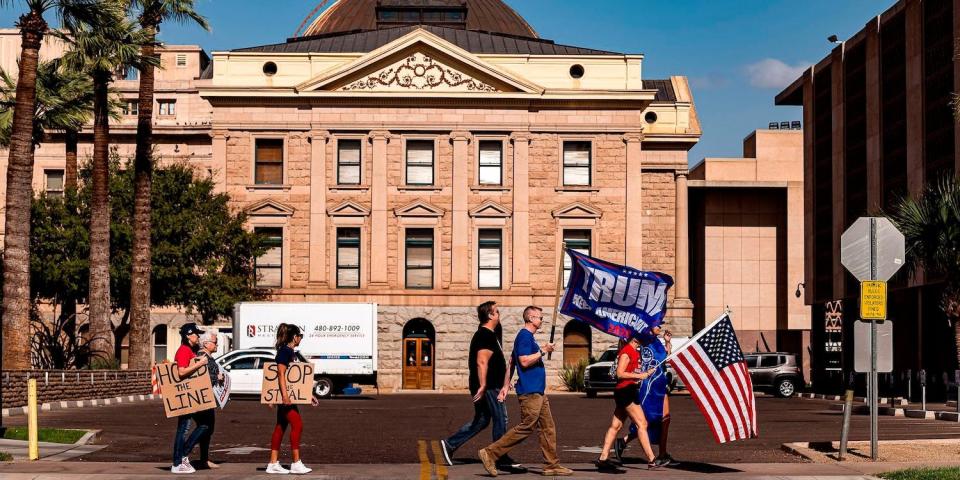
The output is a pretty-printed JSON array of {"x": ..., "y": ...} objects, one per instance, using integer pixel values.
[
  {"x": 834, "y": 39},
  {"x": 798, "y": 293}
]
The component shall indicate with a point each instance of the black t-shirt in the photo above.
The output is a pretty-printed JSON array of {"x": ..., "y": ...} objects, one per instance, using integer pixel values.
[
  {"x": 485, "y": 339},
  {"x": 284, "y": 355}
]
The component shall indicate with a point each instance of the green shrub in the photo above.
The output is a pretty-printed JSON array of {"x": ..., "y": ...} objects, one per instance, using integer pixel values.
[
  {"x": 923, "y": 474},
  {"x": 572, "y": 376}
]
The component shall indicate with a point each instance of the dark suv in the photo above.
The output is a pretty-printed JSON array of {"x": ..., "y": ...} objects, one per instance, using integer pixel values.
[{"x": 775, "y": 372}]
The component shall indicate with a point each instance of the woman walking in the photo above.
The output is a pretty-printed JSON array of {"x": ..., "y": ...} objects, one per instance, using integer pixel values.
[
  {"x": 625, "y": 395},
  {"x": 187, "y": 364},
  {"x": 288, "y": 338},
  {"x": 208, "y": 346}
]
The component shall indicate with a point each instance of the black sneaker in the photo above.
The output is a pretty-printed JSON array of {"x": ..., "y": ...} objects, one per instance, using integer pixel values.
[
  {"x": 605, "y": 465},
  {"x": 618, "y": 447},
  {"x": 666, "y": 460},
  {"x": 509, "y": 465},
  {"x": 446, "y": 453}
]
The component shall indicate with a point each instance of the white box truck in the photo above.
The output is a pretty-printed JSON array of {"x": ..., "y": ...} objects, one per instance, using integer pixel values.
[{"x": 340, "y": 339}]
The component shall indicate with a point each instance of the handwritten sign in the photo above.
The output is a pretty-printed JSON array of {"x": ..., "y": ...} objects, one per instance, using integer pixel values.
[
  {"x": 299, "y": 378},
  {"x": 183, "y": 396}
]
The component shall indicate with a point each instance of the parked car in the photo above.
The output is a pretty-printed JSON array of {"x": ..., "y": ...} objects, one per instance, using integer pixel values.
[
  {"x": 246, "y": 371},
  {"x": 600, "y": 376},
  {"x": 775, "y": 372}
]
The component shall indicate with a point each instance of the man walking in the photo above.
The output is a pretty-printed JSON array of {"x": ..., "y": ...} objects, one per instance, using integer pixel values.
[
  {"x": 488, "y": 372},
  {"x": 527, "y": 357}
]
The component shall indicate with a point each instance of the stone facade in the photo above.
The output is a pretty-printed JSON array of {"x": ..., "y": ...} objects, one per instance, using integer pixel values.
[{"x": 56, "y": 385}]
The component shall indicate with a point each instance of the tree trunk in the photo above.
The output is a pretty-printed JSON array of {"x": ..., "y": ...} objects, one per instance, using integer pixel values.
[
  {"x": 70, "y": 171},
  {"x": 140, "y": 348},
  {"x": 99, "y": 297},
  {"x": 16, "y": 254}
]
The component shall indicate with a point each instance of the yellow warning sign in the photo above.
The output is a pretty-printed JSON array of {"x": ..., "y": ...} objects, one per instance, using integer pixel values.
[{"x": 873, "y": 300}]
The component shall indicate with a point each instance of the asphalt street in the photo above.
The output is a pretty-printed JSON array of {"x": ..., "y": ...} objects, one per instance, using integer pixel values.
[{"x": 388, "y": 429}]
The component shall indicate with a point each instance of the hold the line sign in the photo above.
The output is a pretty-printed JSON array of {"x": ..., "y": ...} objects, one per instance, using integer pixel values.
[
  {"x": 299, "y": 377},
  {"x": 182, "y": 396}
]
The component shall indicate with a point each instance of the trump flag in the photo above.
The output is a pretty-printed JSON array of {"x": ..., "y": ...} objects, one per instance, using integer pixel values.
[{"x": 615, "y": 299}]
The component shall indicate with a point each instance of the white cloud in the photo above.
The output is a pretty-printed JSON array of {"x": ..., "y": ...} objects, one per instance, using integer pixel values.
[{"x": 772, "y": 73}]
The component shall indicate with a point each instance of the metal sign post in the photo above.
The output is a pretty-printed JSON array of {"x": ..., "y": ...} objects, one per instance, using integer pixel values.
[{"x": 872, "y": 249}]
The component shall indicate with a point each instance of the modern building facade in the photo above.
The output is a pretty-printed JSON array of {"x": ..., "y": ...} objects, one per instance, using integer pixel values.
[
  {"x": 746, "y": 243},
  {"x": 430, "y": 158},
  {"x": 879, "y": 125}
]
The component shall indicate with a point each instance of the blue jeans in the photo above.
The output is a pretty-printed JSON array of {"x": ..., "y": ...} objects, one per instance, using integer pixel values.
[
  {"x": 486, "y": 410},
  {"x": 182, "y": 444}
]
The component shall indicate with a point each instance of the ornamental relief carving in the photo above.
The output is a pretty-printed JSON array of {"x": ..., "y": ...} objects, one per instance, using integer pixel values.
[{"x": 419, "y": 72}]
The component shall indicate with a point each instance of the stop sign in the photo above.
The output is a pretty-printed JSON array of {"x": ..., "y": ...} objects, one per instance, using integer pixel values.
[{"x": 857, "y": 248}]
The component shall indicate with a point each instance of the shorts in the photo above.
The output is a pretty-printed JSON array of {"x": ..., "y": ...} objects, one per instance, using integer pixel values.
[{"x": 626, "y": 396}]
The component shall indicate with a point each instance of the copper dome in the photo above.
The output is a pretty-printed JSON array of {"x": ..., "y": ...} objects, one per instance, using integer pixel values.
[{"x": 492, "y": 16}]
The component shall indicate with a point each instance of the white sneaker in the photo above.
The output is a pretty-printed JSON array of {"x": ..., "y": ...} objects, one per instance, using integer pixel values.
[
  {"x": 276, "y": 468},
  {"x": 298, "y": 468},
  {"x": 184, "y": 467}
]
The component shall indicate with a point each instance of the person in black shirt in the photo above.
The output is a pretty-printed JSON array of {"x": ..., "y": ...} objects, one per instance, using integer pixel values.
[{"x": 488, "y": 378}]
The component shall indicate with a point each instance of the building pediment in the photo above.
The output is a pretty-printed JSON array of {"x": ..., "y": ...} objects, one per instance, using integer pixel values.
[
  {"x": 269, "y": 208},
  {"x": 419, "y": 208},
  {"x": 577, "y": 210},
  {"x": 490, "y": 209},
  {"x": 419, "y": 62},
  {"x": 349, "y": 209}
]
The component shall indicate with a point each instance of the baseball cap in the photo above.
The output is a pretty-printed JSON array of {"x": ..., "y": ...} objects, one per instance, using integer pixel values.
[{"x": 190, "y": 329}]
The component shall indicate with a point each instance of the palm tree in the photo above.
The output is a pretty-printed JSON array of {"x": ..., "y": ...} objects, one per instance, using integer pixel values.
[
  {"x": 16, "y": 256},
  {"x": 151, "y": 14},
  {"x": 931, "y": 225},
  {"x": 101, "y": 49},
  {"x": 64, "y": 101}
]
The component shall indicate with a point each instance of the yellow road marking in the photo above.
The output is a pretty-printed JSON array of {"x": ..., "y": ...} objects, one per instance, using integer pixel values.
[
  {"x": 438, "y": 458},
  {"x": 424, "y": 460}
]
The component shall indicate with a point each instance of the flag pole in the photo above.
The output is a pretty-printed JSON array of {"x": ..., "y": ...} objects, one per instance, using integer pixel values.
[{"x": 556, "y": 305}]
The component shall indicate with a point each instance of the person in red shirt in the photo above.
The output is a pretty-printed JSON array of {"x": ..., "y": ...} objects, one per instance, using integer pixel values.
[
  {"x": 187, "y": 364},
  {"x": 625, "y": 396}
]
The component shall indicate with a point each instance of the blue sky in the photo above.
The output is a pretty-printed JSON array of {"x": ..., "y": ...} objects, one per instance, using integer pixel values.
[{"x": 738, "y": 54}]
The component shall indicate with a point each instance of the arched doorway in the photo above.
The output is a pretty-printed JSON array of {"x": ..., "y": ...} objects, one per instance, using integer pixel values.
[
  {"x": 419, "y": 348},
  {"x": 577, "y": 339}
]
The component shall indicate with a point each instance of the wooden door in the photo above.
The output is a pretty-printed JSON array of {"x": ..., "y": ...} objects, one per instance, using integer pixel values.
[{"x": 418, "y": 364}]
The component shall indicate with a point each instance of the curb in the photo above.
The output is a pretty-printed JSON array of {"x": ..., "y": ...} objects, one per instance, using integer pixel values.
[
  {"x": 925, "y": 414},
  {"x": 65, "y": 404},
  {"x": 839, "y": 398},
  {"x": 865, "y": 410}
]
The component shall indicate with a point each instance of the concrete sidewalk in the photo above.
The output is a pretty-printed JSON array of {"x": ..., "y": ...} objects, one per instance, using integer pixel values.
[
  {"x": 53, "y": 452},
  {"x": 121, "y": 471}
]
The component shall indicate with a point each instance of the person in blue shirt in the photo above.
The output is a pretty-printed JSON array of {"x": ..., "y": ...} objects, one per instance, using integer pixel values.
[
  {"x": 652, "y": 395},
  {"x": 527, "y": 359}
]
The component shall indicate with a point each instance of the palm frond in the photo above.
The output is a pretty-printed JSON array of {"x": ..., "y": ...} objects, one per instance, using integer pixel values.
[
  {"x": 64, "y": 101},
  {"x": 931, "y": 225}
]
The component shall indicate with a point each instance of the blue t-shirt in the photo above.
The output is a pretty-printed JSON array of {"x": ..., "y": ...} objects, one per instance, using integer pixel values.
[
  {"x": 532, "y": 379},
  {"x": 285, "y": 355}
]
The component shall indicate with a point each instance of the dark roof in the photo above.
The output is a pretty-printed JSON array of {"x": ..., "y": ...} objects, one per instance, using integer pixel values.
[
  {"x": 483, "y": 15},
  {"x": 664, "y": 89},
  {"x": 471, "y": 41}
]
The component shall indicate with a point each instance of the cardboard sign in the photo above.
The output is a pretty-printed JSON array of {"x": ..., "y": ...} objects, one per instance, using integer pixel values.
[
  {"x": 183, "y": 396},
  {"x": 299, "y": 383},
  {"x": 222, "y": 390}
]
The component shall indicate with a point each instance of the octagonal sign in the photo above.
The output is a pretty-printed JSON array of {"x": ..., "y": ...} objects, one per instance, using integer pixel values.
[{"x": 857, "y": 255}]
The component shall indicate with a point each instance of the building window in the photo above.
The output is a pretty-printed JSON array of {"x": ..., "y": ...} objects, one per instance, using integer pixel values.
[
  {"x": 576, "y": 163},
  {"x": 53, "y": 182},
  {"x": 131, "y": 107},
  {"x": 269, "y": 161},
  {"x": 419, "y": 258},
  {"x": 348, "y": 162},
  {"x": 348, "y": 258},
  {"x": 159, "y": 343},
  {"x": 181, "y": 60},
  {"x": 269, "y": 266},
  {"x": 491, "y": 162},
  {"x": 167, "y": 107},
  {"x": 490, "y": 258},
  {"x": 420, "y": 162},
  {"x": 576, "y": 240}
]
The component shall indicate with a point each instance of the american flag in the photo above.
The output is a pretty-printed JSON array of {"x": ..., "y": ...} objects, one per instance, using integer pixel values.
[{"x": 711, "y": 365}]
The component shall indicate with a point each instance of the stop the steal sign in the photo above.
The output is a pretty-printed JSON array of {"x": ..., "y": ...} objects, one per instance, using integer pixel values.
[{"x": 299, "y": 378}]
